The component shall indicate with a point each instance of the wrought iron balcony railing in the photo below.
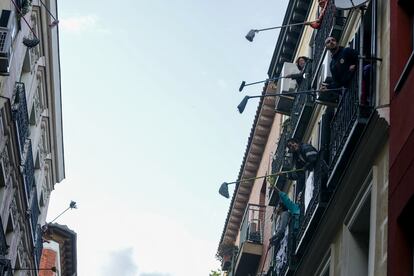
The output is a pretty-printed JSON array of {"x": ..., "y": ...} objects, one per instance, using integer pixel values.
[
  {"x": 28, "y": 171},
  {"x": 313, "y": 201},
  {"x": 38, "y": 245},
  {"x": 323, "y": 32},
  {"x": 252, "y": 224},
  {"x": 5, "y": 267},
  {"x": 345, "y": 116},
  {"x": 3, "y": 242},
  {"x": 34, "y": 212},
  {"x": 284, "y": 257},
  {"x": 20, "y": 115}
]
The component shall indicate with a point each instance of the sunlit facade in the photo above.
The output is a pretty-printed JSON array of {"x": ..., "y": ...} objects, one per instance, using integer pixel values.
[{"x": 31, "y": 138}]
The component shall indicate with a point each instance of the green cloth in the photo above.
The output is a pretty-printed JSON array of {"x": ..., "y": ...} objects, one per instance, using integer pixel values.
[{"x": 293, "y": 208}]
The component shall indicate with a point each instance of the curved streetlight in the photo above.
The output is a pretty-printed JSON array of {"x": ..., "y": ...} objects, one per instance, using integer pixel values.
[
  {"x": 243, "y": 103},
  {"x": 72, "y": 205},
  {"x": 244, "y": 84},
  {"x": 251, "y": 34}
]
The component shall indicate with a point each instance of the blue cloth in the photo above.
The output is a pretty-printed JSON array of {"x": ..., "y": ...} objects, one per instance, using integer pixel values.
[{"x": 293, "y": 208}]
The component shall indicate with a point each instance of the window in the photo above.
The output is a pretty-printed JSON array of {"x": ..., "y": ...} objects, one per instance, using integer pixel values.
[{"x": 357, "y": 233}]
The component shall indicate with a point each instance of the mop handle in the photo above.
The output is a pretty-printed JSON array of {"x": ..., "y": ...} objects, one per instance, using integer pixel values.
[
  {"x": 287, "y": 25},
  {"x": 274, "y": 174}
]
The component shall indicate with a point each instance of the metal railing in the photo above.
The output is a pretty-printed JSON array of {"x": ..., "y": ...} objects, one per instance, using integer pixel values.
[
  {"x": 28, "y": 171},
  {"x": 3, "y": 242},
  {"x": 34, "y": 212},
  {"x": 252, "y": 224},
  {"x": 38, "y": 245},
  {"x": 301, "y": 99},
  {"x": 323, "y": 32},
  {"x": 311, "y": 196},
  {"x": 343, "y": 121},
  {"x": 20, "y": 114},
  {"x": 5, "y": 267},
  {"x": 279, "y": 157},
  {"x": 284, "y": 258}
]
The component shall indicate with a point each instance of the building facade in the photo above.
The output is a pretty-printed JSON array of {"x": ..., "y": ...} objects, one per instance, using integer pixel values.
[
  {"x": 59, "y": 251},
  {"x": 31, "y": 142},
  {"x": 401, "y": 192},
  {"x": 343, "y": 200}
]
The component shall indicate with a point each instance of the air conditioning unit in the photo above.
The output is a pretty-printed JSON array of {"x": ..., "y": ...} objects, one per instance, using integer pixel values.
[
  {"x": 285, "y": 85},
  {"x": 7, "y": 23}
]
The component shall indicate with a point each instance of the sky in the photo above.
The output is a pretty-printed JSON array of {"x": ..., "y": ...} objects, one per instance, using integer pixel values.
[{"x": 151, "y": 129}]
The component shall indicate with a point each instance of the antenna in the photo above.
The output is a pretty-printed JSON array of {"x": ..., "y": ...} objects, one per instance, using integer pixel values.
[{"x": 349, "y": 4}]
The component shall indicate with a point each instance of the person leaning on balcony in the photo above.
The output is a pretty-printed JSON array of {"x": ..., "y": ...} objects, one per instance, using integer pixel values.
[
  {"x": 300, "y": 63},
  {"x": 343, "y": 64},
  {"x": 323, "y": 4},
  {"x": 286, "y": 209},
  {"x": 304, "y": 157}
]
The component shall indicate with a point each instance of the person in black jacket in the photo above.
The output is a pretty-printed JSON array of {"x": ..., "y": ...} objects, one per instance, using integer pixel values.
[
  {"x": 304, "y": 155},
  {"x": 343, "y": 64}
]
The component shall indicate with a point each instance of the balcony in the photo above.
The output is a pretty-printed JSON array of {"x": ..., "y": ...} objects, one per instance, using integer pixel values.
[
  {"x": 251, "y": 241},
  {"x": 283, "y": 260},
  {"x": 28, "y": 171},
  {"x": 303, "y": 106},
  {"x": 38, "y": 245},
  {"x": 280, "y": 163},
  {"x": 346, "y": 127},
  {"x": 5, "y": 267},
  {"x": 313, "y": 203},
  {"x": 3, "y": 242},
  {"x": 20, "y": 115},
  {"x": 34, "y": 212},
  {"x": 293, "y": 127}
]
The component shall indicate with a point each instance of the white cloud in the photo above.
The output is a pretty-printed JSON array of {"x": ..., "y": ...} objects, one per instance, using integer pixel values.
[
  {"x": 161, "y": 245},
  {"x": 82, "y": 23},
  {"x": 121, "y": 262}
]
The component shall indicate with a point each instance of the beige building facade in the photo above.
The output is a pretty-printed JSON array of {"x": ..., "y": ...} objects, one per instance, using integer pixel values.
[{"x": 344, "y": 199}]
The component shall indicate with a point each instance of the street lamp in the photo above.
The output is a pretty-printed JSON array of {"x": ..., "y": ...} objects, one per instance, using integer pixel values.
[
  {"x": 243, "y": 103},
  {"x": 243, "y": 84},
  {"x": 72, "y": 205},
  {"x": 224, "y": 189},
  {"x": 250, "y": 35}
]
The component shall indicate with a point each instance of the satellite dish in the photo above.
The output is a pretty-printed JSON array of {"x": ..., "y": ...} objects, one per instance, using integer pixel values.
[{"x": 349, "y": 4}]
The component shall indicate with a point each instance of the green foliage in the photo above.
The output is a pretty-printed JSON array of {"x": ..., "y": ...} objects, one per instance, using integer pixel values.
[{"x": 215, "y": 273}]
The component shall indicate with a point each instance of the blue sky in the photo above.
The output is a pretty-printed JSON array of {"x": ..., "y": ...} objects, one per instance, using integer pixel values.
[{"x": 151, "y": 129}]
